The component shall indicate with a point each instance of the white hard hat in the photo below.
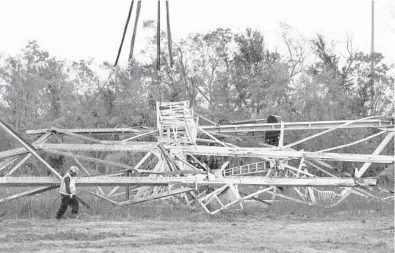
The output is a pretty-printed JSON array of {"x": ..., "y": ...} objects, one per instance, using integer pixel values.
[{"x": 74, "y": 169}]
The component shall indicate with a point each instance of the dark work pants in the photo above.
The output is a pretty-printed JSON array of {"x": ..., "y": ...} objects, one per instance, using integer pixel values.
[{"x": 67, "y": 201}]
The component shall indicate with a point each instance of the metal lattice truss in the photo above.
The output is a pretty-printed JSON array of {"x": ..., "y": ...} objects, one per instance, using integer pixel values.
[{"x": 174, "y": 160}]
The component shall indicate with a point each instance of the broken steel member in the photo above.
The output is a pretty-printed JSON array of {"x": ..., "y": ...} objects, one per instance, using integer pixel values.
[{"x": 67, "y": 193}]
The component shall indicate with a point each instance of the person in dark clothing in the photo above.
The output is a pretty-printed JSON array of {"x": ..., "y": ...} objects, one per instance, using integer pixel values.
[{"x": 68, "y": 193}]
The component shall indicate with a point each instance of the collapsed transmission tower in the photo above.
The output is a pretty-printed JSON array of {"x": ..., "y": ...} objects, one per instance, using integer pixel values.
[{"x": 197, "y": 163}]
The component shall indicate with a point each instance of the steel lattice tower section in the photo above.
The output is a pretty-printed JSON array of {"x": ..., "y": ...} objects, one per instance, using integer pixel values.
[{"x": 168, "y": 162}]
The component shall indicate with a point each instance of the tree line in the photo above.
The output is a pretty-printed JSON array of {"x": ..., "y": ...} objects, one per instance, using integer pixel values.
[{"x": 225, "y": 75}]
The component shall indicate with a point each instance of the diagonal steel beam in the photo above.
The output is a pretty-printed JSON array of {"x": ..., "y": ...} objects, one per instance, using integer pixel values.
[
  {"x": 82, "y": 157},
  {"x": 353, "y": 143},
  {"x": 19, "y": 164},
  {"x": 328, "y": 130},
  {"x": 19, "y": 151},
  {"x": 4, "y": 164},
  {"x": 378, "y": 150},
  {"x": 29, "y": 147},
  {"x": 28, "y": 193},
  {"x": 103, "y": 197},
  {"x": 82, "y": 137},
  {"x": 156, "y": 196}
]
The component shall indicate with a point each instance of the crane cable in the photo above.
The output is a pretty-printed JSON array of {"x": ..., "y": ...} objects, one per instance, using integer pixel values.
[
  {"x": 169, "y": 35},
  {"x": 104, "y": 85},
  {"x": 124, "y": 33},
  {"x": 158, "y": 41},
  {"x": 134, "y": 31},
  {"x": 120, "y": 49}
]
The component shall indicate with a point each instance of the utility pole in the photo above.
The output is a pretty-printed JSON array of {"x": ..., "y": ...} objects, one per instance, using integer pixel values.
[
  {"x": 372, "y": 39},
  {"x": 372, "y": 61}
]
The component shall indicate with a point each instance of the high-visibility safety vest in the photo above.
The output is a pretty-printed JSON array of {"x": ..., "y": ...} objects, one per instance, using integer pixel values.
[{"x": 62, "y": 189}]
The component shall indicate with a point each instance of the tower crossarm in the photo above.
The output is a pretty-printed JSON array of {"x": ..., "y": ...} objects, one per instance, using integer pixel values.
[{"x": 288, "y": 126}]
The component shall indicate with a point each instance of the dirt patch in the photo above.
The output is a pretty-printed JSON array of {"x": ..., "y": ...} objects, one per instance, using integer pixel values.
[{"x": 239, "y": 235}]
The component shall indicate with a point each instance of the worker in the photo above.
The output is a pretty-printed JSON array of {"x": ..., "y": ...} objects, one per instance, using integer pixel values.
[{"x": 67, "y": 193}]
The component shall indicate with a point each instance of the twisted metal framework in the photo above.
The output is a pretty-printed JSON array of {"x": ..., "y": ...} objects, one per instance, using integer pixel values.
[{"x": 174, "y": 160}]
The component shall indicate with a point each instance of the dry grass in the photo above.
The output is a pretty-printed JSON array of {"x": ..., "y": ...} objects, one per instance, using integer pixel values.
[{"x": 46, "y": 205}]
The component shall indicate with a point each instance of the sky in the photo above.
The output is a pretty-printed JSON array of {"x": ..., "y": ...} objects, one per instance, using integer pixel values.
[{"x": 82, "y": 29}]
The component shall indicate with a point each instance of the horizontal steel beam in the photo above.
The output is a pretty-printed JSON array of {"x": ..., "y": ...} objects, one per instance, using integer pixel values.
[
  {"x": 88, "y": 131},
  {"x": 282, "y": 154},
  {"x": 191, "y": 181},
  {"x": 217, "y": 151},
  {"x": 297, "y": 126},
  {"x": 129, "y": 146},
  {"x": 376, "y": 123},
  {"x": 121, "y": 146},
  {"x": 223, "y": 151}
]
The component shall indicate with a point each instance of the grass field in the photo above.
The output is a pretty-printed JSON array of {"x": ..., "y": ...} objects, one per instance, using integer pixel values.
[
  {"x": 356, "y": 225},
  {"x": 45, "y": 206}
]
